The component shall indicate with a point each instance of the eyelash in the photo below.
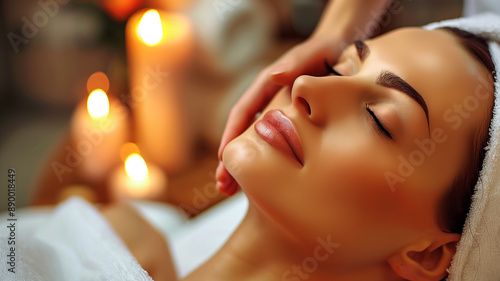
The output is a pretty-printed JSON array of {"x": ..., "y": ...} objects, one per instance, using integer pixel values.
[
  {"x": 380, "y": 126},
  {"x": 330, "y": 69}
]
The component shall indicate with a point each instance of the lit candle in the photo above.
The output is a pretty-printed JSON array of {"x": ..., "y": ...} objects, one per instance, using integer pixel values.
[
  {"x": 98, "y": 129},
  {"x": 158, "y": 37},
  {"x": 158, "y": 47},
  {"x": 137, "y": 180}
]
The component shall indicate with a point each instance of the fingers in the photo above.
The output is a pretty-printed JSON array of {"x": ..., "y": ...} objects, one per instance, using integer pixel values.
[
  {"x": 240, "y": 117},
  {"x": 306, "y": 58},
  {"x": 243, "y": 112},
  {"x": 225, "y": 182}
]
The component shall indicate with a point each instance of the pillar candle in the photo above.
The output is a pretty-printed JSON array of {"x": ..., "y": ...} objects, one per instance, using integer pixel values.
[
  {"x": 137, "y": 180},
  {"x": 158, "y": 45},
  {"x": 97, "y": 132}
]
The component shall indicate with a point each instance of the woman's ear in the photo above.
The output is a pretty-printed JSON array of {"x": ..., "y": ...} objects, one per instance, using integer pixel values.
[{"x": 425, "y": 259}]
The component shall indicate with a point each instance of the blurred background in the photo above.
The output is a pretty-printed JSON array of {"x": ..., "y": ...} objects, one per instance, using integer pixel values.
[{"x": 170, "y": 98}]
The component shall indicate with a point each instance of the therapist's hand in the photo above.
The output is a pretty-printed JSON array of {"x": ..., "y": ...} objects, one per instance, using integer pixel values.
[{"x": 306, "y": 58}]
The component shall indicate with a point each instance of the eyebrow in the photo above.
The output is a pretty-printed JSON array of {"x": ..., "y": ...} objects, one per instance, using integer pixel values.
[{"x": 391, "y": 80}]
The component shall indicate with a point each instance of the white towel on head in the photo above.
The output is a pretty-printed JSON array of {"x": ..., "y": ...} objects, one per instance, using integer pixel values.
[{"x": 478, "y": 252}]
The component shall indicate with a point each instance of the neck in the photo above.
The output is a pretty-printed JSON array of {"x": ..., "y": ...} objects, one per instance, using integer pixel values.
[{"x": 261, "y": 250}]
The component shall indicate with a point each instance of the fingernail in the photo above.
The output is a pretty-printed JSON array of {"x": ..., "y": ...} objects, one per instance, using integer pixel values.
[
  {"x": 219, "y": 153},
  {"x": 281, "y": 68},
  {"x": 220, "y": 150}
]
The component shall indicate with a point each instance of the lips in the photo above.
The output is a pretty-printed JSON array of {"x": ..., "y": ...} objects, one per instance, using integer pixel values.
[{"x": 278, "y": 130}]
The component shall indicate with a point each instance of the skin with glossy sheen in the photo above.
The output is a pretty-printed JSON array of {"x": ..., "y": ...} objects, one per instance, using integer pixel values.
[
  {"x": 278, "y": 130},
  {"x": 341, "y": 195}
]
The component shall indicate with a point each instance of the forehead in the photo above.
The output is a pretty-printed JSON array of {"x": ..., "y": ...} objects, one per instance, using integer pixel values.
[{"x": 436, "y": 65}]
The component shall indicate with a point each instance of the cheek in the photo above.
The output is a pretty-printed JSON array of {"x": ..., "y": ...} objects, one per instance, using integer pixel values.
[
  {"x": 352, "y": 192},
  {"x": 355, "y": 181},
  {"x": 349, "y": 177},
  {"x": 353, "y": 165}
]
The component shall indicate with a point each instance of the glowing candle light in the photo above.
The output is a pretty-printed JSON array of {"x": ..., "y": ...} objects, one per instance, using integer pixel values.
[
  {"x": 157, "y": 37},
  {"x": 137, "y": 180},
  {"x": 98, "y": 104},
  {"x": 158, "y": 46},
  {"x": 150, "y": 28},
  {"x": 136, "y": 167},
  {"x": 98, "y": 129}
]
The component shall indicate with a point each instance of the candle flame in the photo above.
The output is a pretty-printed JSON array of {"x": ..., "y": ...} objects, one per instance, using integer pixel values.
[
  {"x": 150, "y": 28},
  {"x": 98, "y": 104},
  {"x": 136, "y": 167}
]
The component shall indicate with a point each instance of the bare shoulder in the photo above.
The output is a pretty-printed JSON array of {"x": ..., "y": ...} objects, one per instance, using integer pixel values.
[{"x": 143, "y": 240}]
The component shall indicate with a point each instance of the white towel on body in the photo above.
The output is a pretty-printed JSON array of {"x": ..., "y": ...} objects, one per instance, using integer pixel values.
[{"x": 76, "y": 243}]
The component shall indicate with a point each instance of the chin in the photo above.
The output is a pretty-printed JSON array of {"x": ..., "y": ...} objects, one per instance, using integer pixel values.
[
  {"x": 239, "y": 158},
  {"x": 253, "y": 162},
  {"x": 265, "y": 175}
]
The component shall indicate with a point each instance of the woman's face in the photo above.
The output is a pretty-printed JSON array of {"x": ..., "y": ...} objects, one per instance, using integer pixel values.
[{"x": 367, "y": 165}]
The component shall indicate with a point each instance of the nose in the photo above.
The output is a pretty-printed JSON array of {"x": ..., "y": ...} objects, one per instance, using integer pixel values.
[{"x": 323, "y": 98}]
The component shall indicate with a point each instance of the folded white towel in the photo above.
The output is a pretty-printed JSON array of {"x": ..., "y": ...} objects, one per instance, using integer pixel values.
[
  {"x": 76, "y": 243},
  {"x": 478, "y": 252}
]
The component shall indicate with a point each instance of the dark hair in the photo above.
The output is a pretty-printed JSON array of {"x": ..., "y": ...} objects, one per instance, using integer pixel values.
[{"x": 456, "y": 202}]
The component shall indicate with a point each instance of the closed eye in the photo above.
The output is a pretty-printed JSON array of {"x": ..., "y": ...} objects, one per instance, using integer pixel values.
[
  {"x": 330, "y": 69},
  {"x": 380, "y": 126}
]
